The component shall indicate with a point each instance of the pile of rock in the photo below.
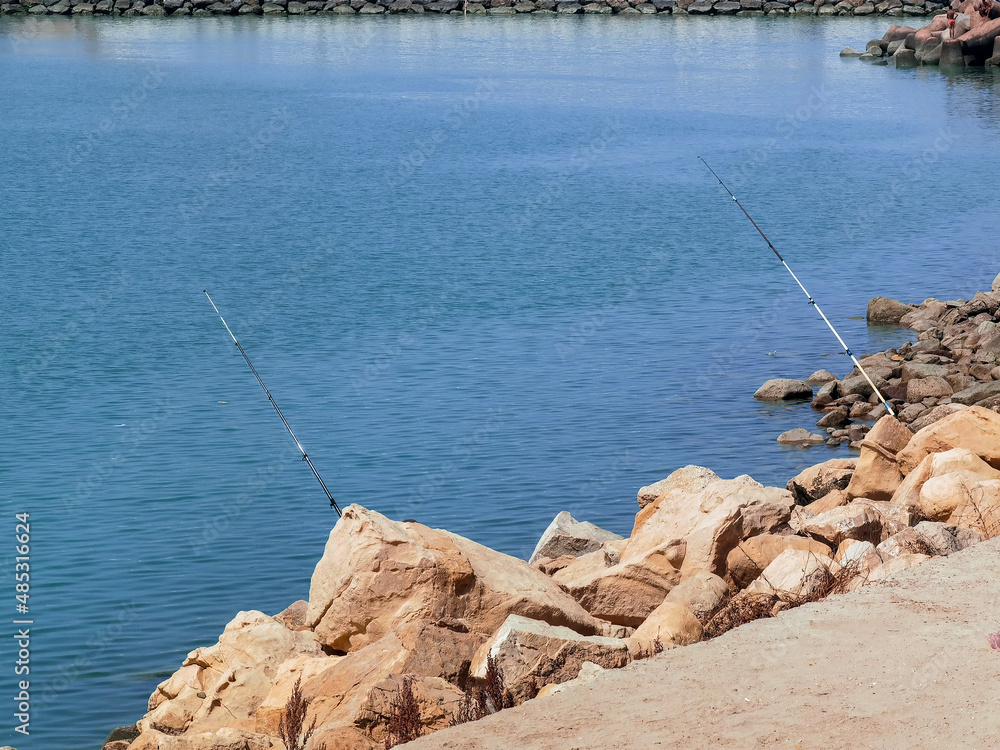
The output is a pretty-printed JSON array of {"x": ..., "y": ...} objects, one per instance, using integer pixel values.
[
  {"x": 975, "y": 40},
  {"x": 954, "y": 364},
  {"x": 394, "y": 602},
  {"x": 491, "y": 7}
]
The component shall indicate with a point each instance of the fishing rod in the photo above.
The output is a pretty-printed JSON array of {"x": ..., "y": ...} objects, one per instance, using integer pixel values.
[
  {"x": 305, "y": 456},
  {"x": 812, "y": 302}
]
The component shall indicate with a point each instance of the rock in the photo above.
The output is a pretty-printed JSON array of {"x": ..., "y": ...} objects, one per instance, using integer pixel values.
[
  {"x": 569, "y": 8},
  {"x": 726, "y": 7},
  {"x": 977, "y": 393},
  {"x": 154, "y": 10},
  {"x": 905, "y": 58},
  {"x": 293, "y": 616},
  {"x": 625, "y": 593},
  {"x": 376, "y": 574},
  {"x": 820, "y": 377},
  {"x": 745, "y": 563},
  {"x": 588, "y": 673},
  {"x": 783, "y": 389},
  {"x": 937, "y": 465},
  {"x": 996, "y": 284},
  {"x": 905, "y": 542},
  {"x": 921, "y": 388},
  {"x": 703, "y": 594},
  {"x": 123, "y": 735},
  {"x": 817, "y": 481},
  {"x": 941, "y": 496},
  {"x": 915, "y": 370},
  {"x": 826, "y": 394},
  {"x": 688, "y": 480},
  {"x": 933, "y": 414},
  {"x": 877, "y": 474},
  {"x": 438, "y": 702},
  {"x": 567, "y": 536},
  {"x": 894, "y": 566},
  {"x": 974, "y": 428},
  {"x": 892, "y": 517},
  {"x": 834, "y": 418},
  {"x": 829, "y": 501},
  {"x": 951, "y": 54},
  {"x": 707, "y": 524},
  {"x": 795, "y": 574},
  {"x": 222, "y": 686},
  {"x": 800, "y": 437},
  {"x": 858, "y": 385},
  {"x": 223, "y": 739},
  {"x": 861, "y": 557},
  {"x": 981, "y": 511},
  {"x": 849, "y": 51},
  {"x": 528, "y": 650},
  {"x": 669, "y": 625},
  {"x": 945, "y": 539},
  {"x": 886, "y": 311},
  {"x": 846, "y": 522},
  {"x": 366, "y": 9}
]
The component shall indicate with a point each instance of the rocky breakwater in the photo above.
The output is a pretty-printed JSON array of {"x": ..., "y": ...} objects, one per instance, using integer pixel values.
[
  {"x": 973, "y": 40},
  {"x": 954, "y": 364},
  {"x": 490, "y": 7},
  {"x": 410, "y": 629}
]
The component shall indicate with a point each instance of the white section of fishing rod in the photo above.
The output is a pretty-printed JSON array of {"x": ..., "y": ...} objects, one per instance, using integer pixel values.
[
  {"x": 221, "y": 318},
  {"x": 847, "y": 349}
]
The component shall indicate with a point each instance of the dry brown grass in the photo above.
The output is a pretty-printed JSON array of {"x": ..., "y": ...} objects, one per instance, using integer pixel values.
[
  {"x": 489, "y": 697},
  {"x": 404, "y": 724},
  {"x": 292, "y": 725}
]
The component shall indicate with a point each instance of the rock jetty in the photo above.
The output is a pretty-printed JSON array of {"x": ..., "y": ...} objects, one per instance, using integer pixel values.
[
  {"x": 973, "y": 39},
  {"x": 954, "y": 364},
  {"x": 409, "y": 629},
  {"x": 157, "y": 8}
]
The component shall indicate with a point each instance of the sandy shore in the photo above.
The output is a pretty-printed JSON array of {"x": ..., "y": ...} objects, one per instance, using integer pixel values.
[{"x": 903, "y": 664}]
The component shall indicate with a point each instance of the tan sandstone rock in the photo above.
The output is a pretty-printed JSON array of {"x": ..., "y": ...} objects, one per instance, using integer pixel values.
[
  {"x": 746, "y": 562},
  {"x": 686, "y": 481},
  {"x": 936, "y": 465},
  {"x": 981, "y": 512},
  {"x": 702, "y": 593},
  {"x": 376, "y": 574},
  {"x": 854, "y": 521},
  {"x": 942, "y": 495},
  {"x": 223, "y": 739},
  {"x": 567, "y": 536},
  {"x": 223, "y": 685},
  {"x": 709, "y": 522},
  {"x": 975, "y": 428},
  {"x": 795, "y": 574},
  {"x": 670, "y": 625},
  {"x": 877, "y": 474},
  {"x": 895, "y": 565},
  {"x": 811, "y": 484},
  {"x": 532, "y": 651},
  {"x": 623, "y": 594}
]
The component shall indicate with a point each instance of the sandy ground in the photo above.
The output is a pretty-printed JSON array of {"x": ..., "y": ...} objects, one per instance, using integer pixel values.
[{"x": 904, "y": 664}]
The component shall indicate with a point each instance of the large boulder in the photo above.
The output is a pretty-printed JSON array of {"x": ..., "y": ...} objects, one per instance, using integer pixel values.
[
  {"x": 817, "y": 481},
  {"x": 981, "y": 511},
  {"x": 974, "y": 428},
  {"x": 878, "y": 474},
  {"x": 702, "y": 593},
  {"x": 688, "y": 480},
  {"x": 376, "y": 574},
  {"x": 668, "y": 626},
  {"x": 223, "y": 739},
  {"x": 529, "y": 651},
  {"x": 709, "y": 523},
  {"x": 566, "y": 536},
  {"x": 783, "y": 389},
  {"x": 945, "y": 539},
  {"x": 224, "y": 685},
  {"x": 886, "y": 311},
  {"x": 626, "y": 592},
  {"x": 853, "y": 521},
  {"x": 794, "y": 575},
  {"x": 745, "y": 563},
  {"x": 937, "y": 465},
  {"x": 977, "y": 393}
]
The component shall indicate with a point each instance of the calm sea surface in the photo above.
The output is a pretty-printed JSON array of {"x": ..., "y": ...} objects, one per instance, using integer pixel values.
[{"x": 476, "y": 261}]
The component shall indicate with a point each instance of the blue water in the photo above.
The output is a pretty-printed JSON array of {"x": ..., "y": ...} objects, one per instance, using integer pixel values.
[{"x": 477, "y": 262}]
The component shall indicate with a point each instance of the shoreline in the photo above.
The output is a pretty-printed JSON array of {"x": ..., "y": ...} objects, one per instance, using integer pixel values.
[
  {"x": 739, "y": 8},
  {"x": 409, "y": 630}
]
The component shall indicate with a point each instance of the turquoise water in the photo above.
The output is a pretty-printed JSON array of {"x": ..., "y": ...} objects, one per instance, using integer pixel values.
[{"x": 476, "y": 261}]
